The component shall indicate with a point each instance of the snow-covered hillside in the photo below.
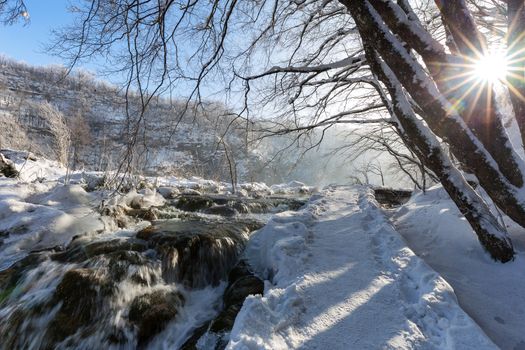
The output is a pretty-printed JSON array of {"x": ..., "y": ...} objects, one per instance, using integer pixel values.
[
  {"x": 168, "y": 141},
  {"x": 171, "y": 138}
]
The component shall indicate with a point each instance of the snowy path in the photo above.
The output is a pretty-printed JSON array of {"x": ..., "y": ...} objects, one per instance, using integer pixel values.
[{"x": 340, "y": 277}]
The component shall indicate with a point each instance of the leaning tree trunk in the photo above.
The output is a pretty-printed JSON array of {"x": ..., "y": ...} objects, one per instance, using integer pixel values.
[
  {"x": 501, "y": 182},
  {"x": 516, "y": 45},
  {"x": 418, "y": 138},
  {"x": 445, "y": 122}
]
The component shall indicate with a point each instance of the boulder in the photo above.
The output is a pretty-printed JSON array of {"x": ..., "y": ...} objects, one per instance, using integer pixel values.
[
  {"x": 193, "y": 203},
  {"x": 168, "y": 192},
  {"x": 196, "y": 253},
  {"x": 222, "y": 210},
  {"x": 151, "y": 312},
  {"x": 80, "y": 293},
  {"x": 7, "y": 167},
  {"x": 241, "y": 288}
]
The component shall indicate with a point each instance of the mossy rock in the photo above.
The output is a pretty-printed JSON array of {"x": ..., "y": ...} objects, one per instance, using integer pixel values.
[
  {"x": 79, "y": 251},
  {"x": 224, "y": 322},
  {"x": 81, "y": 292},
  {"x": 222, "y": 210},
  {"x": 193, "y": 203},
  {"x": 151, "y": 312},
  {"x": 241, "y": 288}
]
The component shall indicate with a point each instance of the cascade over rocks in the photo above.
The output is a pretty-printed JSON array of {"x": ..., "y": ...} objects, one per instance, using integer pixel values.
[
  {"x": 241, "y": 283},
  {"x": 81, "y": 293},
  {"x": 151, "y": 312},
  {"x": 123, "y": 290},
  {"x": 196, "y": 253}
]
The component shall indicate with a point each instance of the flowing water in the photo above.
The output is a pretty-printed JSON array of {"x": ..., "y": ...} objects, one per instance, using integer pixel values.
[{"x": 154, "y": 289}]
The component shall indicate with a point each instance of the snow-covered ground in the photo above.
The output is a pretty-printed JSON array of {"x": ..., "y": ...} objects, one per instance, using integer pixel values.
[
  {"x": 492, "y": 293},
  {"x": 47, "y": 205},
  {"x": 338, "y": 276}
]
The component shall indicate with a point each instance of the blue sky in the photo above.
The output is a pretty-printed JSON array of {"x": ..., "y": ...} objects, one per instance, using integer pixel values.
[{"x": 25, "y": 42}]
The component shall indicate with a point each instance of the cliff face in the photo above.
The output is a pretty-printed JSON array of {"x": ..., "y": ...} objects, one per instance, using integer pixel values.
[{"x": 167, "y": 141}]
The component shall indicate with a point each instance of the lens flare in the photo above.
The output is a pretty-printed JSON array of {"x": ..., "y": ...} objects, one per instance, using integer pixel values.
[{"x": 491, "y": 68}]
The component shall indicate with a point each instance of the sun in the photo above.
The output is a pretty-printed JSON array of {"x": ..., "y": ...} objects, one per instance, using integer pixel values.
[{"x": 491, "y": 68}]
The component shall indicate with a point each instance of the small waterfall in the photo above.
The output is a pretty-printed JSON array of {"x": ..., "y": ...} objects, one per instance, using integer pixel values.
[{"x": 153, "y": 289}]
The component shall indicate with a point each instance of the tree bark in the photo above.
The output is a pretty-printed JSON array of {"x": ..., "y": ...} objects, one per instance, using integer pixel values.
[
  {"x": 440, "y": 116},
  {"x": 515, "y": 48},
  {"x": 473, "y": 101},
  {"x": 417, "y": 137}
]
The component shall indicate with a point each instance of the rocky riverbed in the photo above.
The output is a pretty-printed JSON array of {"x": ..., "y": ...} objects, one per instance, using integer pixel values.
[{"x": 177, "y": 282}]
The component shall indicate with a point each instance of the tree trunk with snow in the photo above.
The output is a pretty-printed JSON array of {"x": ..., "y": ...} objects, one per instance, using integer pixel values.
[
  {"x": 476, "y": 135},
  {"x": 491, "y": 234}
]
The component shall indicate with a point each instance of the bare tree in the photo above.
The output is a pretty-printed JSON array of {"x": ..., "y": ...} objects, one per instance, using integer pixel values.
[
  {"x": 56, "y": 124},
  {"x": 12, "y": 11},
  {"x": 80, "y": 136},
  {"x": 316, "y": 64}
]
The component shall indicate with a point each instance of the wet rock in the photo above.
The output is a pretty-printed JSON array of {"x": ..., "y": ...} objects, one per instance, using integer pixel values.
[
  {"x": 10, "y": 277},
  {"x": 120, "y": 214},
  {"x": 240, "y": 270},
  {"x": 390, "y": 198},
  {"x": 224, "y": 322},
  {"x": 119, "y": 263},
  {"x": 225, "y": 205},
  {"x": 116, "y": 336},
  {"x": 149, "y": 214},
  {"x": 242, "y": 282},
  {"x": 222, "y": 210},
  {"x": 80, "y": 250},
  {"x": 15, "y": 230},
  {"x": 193, "y": 203},
  {"x": 168, "y": 192},
  {"x": 147, "y": 232},
  {"x": 10, "y": 338},
  {"x": 191, "y": 343},
  {"x": 94, "y": 182},
  {"x": 105, "y": 247},
  {"x": 81, "y": 294},
  {"x": 191, "y": 191},
  {"x": 7, "y": 167},
  {"x": 241, "y": 207},
  {"x": 196, "y": 253},
  {"x": 151, "y": 312},
  {"x": 234, "y": 297},
  {"x": 259, "y": 207},
  {"x": 241, "y": 288}
]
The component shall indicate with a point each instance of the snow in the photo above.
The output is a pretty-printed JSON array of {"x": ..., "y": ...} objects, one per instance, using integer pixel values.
[
  {"x": 37, "y": 216},
  {"x": 338, "y": 276},
  {"x": 33, "y": 169},
  {"x": 490, "y": 292},
  {"x": 47, "y": 207}
]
